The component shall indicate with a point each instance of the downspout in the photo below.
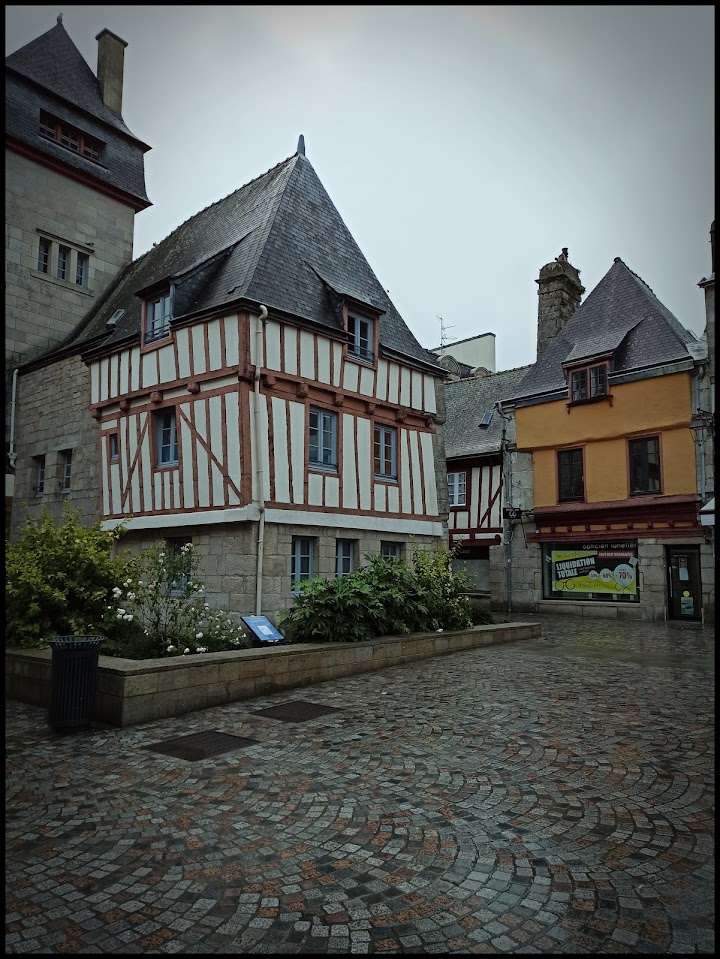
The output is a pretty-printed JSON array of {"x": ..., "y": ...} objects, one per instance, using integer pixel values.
[
  {"x": 507, "y": 502},
  {"x": 12, "y": 453},
  {"x": 260, "y": 458},
  {"x": 701, "y": 479}
]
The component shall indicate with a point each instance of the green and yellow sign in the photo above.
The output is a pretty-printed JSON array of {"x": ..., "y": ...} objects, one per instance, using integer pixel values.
[{"x": 596, "y": 568}]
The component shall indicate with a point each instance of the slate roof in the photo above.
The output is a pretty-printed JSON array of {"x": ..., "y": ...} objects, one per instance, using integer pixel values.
[
  {"x": 278, "y": 241},
  {"x": 466, "y": 400},
  {"x": 50, "y": 73},
  {"x": 621, "y": 316},
  {"x": 54, "y": 62}
]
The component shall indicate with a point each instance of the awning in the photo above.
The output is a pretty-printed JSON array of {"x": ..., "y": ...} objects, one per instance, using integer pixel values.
[{"x": 707, "y": 513}]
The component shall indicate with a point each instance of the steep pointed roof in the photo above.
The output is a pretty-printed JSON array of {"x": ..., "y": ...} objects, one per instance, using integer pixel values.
[
  {"x": 53, "y": 62},
  {"x": 622, "y": 318},
  {"x": 279, "y": 241}
]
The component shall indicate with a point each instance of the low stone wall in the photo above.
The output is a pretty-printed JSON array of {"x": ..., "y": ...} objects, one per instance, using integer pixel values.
[{"x": 138, "y": 691}]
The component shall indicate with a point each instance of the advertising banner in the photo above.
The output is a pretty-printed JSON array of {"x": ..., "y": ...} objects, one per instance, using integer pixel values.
[{"x": 596, "y": 568}]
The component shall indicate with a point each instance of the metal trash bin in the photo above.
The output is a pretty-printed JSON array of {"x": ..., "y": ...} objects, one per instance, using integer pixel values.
[{"x": 73, "y": 680}]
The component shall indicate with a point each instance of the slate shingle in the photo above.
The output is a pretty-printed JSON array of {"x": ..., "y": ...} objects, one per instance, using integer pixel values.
[{"x": 466, "y": 400}]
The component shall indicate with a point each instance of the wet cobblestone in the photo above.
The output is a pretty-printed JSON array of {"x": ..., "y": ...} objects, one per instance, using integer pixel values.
[{"x": 546, "y": 796}]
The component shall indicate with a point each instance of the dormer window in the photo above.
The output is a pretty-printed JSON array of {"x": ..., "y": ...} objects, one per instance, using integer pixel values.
[
  {"x": 157, "y": 318},
  {"x": 588, "y": 383},
  {"x": 362, "y": 336},
  {"x": 70, "y": 137}
]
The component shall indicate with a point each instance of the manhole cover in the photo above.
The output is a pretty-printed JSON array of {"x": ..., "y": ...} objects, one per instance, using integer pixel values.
[
  {"x": 200, "y": 745},
  {"x": 296, "y": 712}
]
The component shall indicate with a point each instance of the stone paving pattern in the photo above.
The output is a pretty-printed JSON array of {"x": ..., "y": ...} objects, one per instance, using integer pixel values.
[{"x": 546, "y": 796}]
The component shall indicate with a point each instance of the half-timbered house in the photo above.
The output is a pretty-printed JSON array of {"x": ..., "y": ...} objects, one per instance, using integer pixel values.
[
  {"x": 480, "y": 448},
  {"x": 252, "y": 388}
]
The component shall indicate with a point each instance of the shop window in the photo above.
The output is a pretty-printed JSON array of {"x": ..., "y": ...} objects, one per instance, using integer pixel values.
[{"x": 591, "y": 572}]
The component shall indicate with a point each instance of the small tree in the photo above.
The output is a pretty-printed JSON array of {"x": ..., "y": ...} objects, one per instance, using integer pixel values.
[{"x": 59, "y": 578}]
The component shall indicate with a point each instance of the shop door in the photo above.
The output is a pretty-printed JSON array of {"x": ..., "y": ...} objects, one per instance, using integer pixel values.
[{"x": 684, "y": 587}]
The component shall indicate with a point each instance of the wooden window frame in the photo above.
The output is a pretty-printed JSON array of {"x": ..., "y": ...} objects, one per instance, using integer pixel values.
[
  {"x": 559, "y": 453},
  {"x": 65, "y": 252},
  {"x": 346, "y": 546},
  {"x": 351, "y": 347},
  {"x": 451, "y": 493},
  {"x": 71, "y": 138},
  {"x": 39, "y": 487},
  {"x": 391, "y": 549},
  {"x": 297, "y": 556},
  {"x": 158, "y": 429},
  {"x": 644, "y": 439},
  {"x": 81, "y": 274},
  {"x": 378, "y": 474},
  {"x": 151, "y": 341},
  {"x": 332, "y": 416},
  {"x": 113, "y": 456},
  {"x": 586, "y": 372}
]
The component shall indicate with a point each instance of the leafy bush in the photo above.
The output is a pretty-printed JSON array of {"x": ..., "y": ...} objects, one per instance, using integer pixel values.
[
  {"x": 481, "y": 616},
  {"x": 385, "y": 597},
  {"x": 164, "y": 610},
  {"x": 59, "y": 578}
]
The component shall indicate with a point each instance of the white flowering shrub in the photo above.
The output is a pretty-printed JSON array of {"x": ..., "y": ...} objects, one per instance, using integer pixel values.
[{"x": 162, "y": 605}]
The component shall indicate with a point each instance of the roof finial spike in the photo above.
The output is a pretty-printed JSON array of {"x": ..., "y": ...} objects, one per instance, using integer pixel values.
[
  {"x": 59, "y": 18},
  {"x": 301, "y": 146}
]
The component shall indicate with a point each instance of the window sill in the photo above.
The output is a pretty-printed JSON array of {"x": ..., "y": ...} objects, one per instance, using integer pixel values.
[
  {"x": 321, "y": 468},
  {"x": 162, "y": 467},
  {"x": 647, "y": 492},
  {"x": 392, "y": 480},
  {"x": 361, "y": 361},
  {"x": 566, "y": 502},
  {"x": 606, "y": 397},
  {"x": 460, "y": 506},
  {"x": 64, "y": 284}
]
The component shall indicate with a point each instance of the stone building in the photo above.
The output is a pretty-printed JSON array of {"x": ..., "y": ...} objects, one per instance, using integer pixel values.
[{"x": 74, "y": 180}]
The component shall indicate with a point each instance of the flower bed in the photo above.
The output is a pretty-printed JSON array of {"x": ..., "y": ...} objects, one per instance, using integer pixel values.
[{"x": 138, "y": 691}]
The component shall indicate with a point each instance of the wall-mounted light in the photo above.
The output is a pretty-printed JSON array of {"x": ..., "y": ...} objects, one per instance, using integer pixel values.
[{"x": 702, "y": 422}]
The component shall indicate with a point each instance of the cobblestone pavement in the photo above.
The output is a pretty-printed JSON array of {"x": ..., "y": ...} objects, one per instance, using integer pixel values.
[{"x": 545, "y": 796}]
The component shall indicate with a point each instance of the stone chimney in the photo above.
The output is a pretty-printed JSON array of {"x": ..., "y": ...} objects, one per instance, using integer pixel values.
[
  {"x": 111, "y": 53},
  {"x": 559, "y": 294}
]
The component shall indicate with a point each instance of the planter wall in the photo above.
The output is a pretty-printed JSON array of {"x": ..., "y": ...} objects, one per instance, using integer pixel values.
[{"x": 138, "y": 691}]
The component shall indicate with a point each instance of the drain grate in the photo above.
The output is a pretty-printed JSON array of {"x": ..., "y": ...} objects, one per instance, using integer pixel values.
[
  {"x": 200, "y": 745},
  {"x": 296, "y": 711}
]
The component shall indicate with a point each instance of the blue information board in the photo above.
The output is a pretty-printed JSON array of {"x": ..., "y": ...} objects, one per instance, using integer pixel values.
[{"x": 262, "y": 628}]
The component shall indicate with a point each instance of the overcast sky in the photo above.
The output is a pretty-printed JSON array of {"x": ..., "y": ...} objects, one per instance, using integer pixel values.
[{"x": 463, "y": 146}]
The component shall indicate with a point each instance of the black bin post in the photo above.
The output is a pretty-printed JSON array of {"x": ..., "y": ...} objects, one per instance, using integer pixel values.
[{"x": 73, "y": 680}]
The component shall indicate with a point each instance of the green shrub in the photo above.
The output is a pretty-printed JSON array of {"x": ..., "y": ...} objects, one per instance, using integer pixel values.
[
  {"x": 385, "y": 597},
  {"x": 162, "y": 607},
  {"x": 481, "y": 616},
  {"x": 59, "y": 578}
]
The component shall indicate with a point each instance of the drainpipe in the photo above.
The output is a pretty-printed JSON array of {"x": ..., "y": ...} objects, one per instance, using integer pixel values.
[
  {"x": 700, "y": 437},
  {"x": 260, "y": 451},
  {"x": 507, "y": 502},
  {"x": 12, "y": 453}
]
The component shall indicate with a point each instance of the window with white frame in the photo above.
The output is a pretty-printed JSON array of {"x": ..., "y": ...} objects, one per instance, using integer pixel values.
[
  {"x": 322, "y": 441},
  {"x": 63, "y": 262},
  {"x": 157, "y": 318},
  {"x": 43, "y": 264},
  {"x": 389, "y": 550},
  {"x": 344, "y": 557},
  {"x": 39, "y": 475},
  {"x": 166, "y": 443},
  {"x": 385, "y": 452},
  {"x": 361, "y": 330},
  {"x": 65, "y": 470},
  {"x": 456, "y": 488},
  {"x": 82, "y": 268},
  {"x": 303, "y": 558}
]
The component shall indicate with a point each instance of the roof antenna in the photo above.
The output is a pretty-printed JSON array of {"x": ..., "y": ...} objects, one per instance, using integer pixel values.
[
  {"x": 59, "y": 18},
  {"x": 301, "y": 146}
]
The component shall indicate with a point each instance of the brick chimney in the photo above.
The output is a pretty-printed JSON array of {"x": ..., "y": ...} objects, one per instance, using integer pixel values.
[
  {"x": 559, "y": 294},
  {"x": 111, "y": 53}
]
